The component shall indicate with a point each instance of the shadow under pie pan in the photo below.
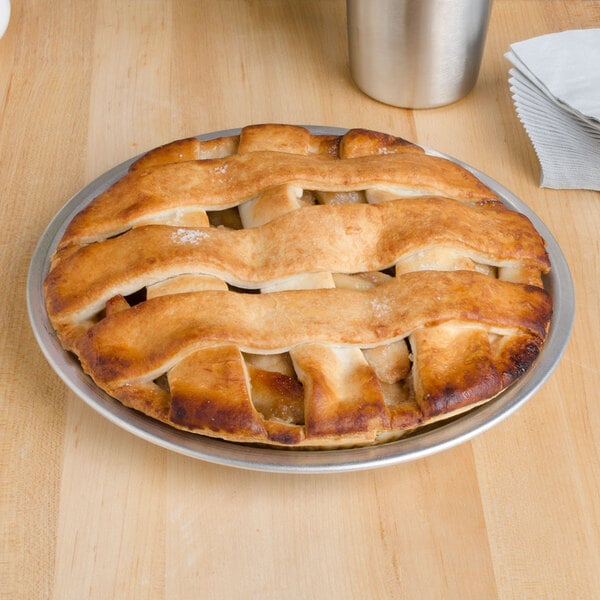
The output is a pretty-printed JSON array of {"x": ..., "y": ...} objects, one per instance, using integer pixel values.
[{"x": 422, "y": 443}]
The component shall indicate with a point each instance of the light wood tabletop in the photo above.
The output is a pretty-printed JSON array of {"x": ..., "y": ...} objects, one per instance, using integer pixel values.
[{"x": 89, "y": 510}]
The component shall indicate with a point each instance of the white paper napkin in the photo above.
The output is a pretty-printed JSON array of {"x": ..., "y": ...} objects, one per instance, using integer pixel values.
[{"x": 555, "y": 85}]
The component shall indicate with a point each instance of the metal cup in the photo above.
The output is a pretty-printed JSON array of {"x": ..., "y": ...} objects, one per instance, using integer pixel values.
[{"x": 416, "y": 53}]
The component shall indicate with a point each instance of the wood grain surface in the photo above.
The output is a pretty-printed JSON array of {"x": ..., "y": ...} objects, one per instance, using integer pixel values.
[{"x": 89, "y": 510}]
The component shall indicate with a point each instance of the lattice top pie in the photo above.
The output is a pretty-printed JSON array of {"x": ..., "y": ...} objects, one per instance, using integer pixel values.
[{"x": 290, "y": 289}]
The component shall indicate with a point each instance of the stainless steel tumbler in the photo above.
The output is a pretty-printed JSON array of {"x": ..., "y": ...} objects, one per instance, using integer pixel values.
[{"x": 416, "y": 53}]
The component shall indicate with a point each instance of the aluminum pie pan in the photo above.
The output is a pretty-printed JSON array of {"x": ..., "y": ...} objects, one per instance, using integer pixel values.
[{"x": 424, "y": 443}]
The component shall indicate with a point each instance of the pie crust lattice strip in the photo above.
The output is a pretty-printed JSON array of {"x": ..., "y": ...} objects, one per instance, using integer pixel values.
[{"x": 297, "y": 290}]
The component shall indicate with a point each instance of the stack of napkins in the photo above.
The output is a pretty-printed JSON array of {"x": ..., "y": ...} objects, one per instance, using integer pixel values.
[{"x": 555, "y": 85}]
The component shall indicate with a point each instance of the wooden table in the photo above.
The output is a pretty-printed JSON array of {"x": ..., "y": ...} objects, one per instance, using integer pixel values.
[{"x": 91, "y": 511}]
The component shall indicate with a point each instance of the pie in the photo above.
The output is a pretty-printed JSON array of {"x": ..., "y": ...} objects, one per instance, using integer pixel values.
[{"x": 288, "y": 289}]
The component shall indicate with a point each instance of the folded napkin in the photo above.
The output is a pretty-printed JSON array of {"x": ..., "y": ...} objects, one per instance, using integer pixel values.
[{"x": 555, "y": 85}]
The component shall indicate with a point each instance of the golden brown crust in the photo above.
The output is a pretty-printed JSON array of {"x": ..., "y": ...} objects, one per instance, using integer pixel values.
[
  {"x": 217, "y": 184},
  {"x": 148, "y": 338},
  {"x": 395, "y": 288},
  {"x": 362, "y": 142},
  {"x": 345, "y": 239}
]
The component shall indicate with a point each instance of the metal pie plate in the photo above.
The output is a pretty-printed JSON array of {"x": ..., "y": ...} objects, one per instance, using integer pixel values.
[{"x": 418, "y": 445}]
